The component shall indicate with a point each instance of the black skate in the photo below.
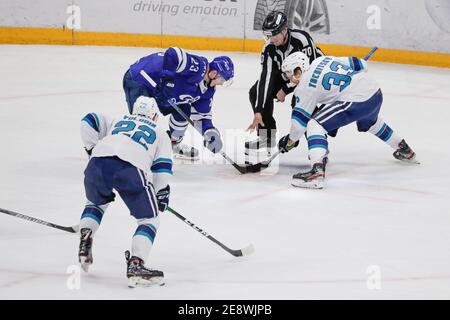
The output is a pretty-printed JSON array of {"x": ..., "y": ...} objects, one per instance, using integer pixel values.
[
  {"x": 405, "y": 153},
  {"x": 312, "y": 179},
  {"x": 184, "y": 152},
  {"x": 139, "y": 276},
  {"x": 85, "y": 252}
]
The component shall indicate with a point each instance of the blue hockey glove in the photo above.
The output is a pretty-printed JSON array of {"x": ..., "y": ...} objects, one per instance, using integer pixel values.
[
  {"x": 164, "y": 91},
  {"x": 163, "y": 198},
  {"x": 167, "y": 86},
  {"x": 286, "y": 144},
  {"x": 212, "y": 140}
]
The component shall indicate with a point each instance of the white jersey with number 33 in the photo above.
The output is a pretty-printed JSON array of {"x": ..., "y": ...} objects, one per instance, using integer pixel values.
[{"x": 331, "y": 79}]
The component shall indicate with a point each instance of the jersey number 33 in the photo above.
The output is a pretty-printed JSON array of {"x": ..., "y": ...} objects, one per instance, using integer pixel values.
[{"x": 341, "y": 77}]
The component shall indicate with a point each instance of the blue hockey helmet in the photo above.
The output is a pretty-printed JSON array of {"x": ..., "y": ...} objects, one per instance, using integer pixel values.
[{"x": 224, "y": 67}]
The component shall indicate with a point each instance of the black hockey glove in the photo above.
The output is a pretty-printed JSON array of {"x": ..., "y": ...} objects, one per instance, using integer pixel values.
[
  {"x": 163, "y": 198},
  {"x": 286, "y": 144}
]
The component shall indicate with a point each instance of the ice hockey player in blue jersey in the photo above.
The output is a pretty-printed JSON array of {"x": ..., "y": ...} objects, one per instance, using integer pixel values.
[
  {"x": 220, "y": 72},
  {"x": 173, "y": 74},
  {"x": 189, "y": 81},
  {"x": 351, "y": 96},
  {"x": 131, "y": 155}
]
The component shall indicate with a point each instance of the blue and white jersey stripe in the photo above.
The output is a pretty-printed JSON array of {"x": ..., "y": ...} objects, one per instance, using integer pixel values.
[
  {"x": 93, "y": 121},
  {"x": 196, "y": 116},
  {"x": 182, "y": 59},
  {"x": 301, "y": 116},
  {"x": 332, "y": 110},
  {"x": 355, "y": 63},
  {"x": 162, "y": 165},
  {"x": 177, "y": 125}
]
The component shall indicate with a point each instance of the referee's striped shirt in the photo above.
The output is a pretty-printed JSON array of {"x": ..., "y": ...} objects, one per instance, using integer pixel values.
[{"x": 272, "y": 58}]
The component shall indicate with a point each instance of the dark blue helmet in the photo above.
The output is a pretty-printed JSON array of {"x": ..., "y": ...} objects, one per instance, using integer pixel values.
[{"x": 224, "y": 67}]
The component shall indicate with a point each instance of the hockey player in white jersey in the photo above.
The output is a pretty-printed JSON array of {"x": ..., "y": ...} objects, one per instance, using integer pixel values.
[
  {"x": 132, "y": 155},
  {"x": 350, "y": 95}
]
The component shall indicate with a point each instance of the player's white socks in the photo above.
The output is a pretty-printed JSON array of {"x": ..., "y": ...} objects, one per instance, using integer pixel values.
[
  {"x": 317, "y": 142},
  {"x": 177, "y": 128},
  {"x": 144, "y": 237},
  {"x": 92, "y": 216},
  {"x": 385, "y": 133}
]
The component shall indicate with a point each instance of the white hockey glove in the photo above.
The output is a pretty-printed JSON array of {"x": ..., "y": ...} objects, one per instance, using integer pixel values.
[{"x": 212, "y": 140}]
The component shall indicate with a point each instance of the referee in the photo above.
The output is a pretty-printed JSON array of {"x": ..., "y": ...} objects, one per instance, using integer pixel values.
[{"x": 272, "y": 84}]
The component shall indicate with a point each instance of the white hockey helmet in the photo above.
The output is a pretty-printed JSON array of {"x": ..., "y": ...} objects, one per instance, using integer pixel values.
[
  {"x": 146, "y": 107},
  {"x": 293, "y": 61}
]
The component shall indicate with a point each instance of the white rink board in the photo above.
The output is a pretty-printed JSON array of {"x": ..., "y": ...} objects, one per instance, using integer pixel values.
[{"x": 420, "y": 25}]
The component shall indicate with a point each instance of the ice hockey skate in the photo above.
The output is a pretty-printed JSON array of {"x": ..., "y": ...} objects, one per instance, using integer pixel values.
[
  {"x": 405, "y": 153},
  {"x": 139, "y": 276},
  {"x": 312, "y": 179},
  {"x": 184, "y": 152},
  {"x": 85, "y": 252}
]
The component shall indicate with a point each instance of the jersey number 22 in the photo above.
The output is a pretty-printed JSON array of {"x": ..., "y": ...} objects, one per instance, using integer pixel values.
[{"x": 144, "y": 135}]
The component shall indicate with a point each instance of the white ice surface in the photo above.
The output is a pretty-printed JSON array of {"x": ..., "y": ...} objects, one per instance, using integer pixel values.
[{"x": 309, "y": 244}]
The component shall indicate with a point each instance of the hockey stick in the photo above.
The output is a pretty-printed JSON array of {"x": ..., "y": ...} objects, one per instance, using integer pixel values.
[
  {"x": 237, "y": 253},
  {"x": 72, "y": 229},
  {"x": 371, "y": 52},
  {"x": 264, "y": 164},
  {"x": 241, "y": 169}
]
